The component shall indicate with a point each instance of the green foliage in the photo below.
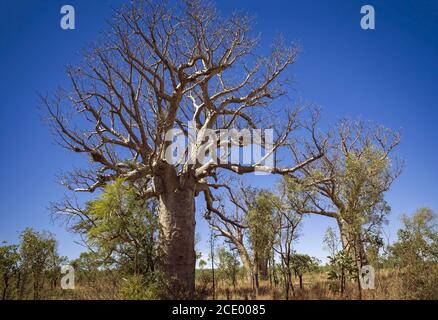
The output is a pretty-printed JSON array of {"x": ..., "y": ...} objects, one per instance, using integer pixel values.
[
  {"x": 349, "y": 185},
  {"x": 363, "y": 181},
  {"x": 87, "y": 267},
  {"x": 29, "y": 268},
  {"x": 140, "y": 287},
  {"x": 416, "y": 254},
  {"x": 9, "y": 268},
  {"x": 261, "y": 223},
  {"x": 38, "y": 257},
  {"x": 418, "y": 240},
  {"x": 228, "y": 265},
  {"x": 302, "y": 263},
  {"x": 122, "y": 228},
  {"x": 341, "y": 268},
  {"x": 202, "y": 264},
  {"x": 36, "y": 249},
  {"x": 341, "y": 265},
  {"x": 331, "y": 241}
]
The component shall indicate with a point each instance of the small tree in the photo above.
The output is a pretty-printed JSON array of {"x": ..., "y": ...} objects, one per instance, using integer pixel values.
[
  {"x": 287, "y": 226},
  {"x": 54, "y": 264},
  {"x": 341, "y": 268},
  {"x": 122, "y": 229},
  {"x": 302, "y": 263},
  {"x": 202, "y": 264},
  {"x": 416, "y": 254},
  {"x": 341, "y": 265},
  {"x": 37, "y": 251},
  {"x": 9, "y": 268},
  {"x": 228, "y": 264},
  {"x": 261, "y": 230},
  {"x": 87, "y": 267}
]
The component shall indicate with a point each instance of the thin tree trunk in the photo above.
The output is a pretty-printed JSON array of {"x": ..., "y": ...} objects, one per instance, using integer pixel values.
[
  {"x": 274, "y": 273},
  {"x": 342, "y": 282},
  {"x": 6, "y": 287},
  {"x": 256, "y": 282},
  {"x": 361, "y": 260},
  {"x": 353, "y": 245},
  {"x": 289, "y": 284},
  {"x": 22, "y": 278},
  {"x": 212, "y": 265}
]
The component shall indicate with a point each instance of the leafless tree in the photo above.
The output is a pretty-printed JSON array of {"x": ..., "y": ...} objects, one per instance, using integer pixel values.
[
  {"x": 229, "y": 222},
  {"x": 288, "y": 223},
  {"x": 160, "y": 67}
]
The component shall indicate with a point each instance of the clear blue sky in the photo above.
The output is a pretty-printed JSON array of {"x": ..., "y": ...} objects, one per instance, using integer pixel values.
[{"x": 389, "y": 76}]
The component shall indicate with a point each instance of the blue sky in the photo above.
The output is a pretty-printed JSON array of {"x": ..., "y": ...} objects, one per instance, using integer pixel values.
[{"x": 388, "y": 75}]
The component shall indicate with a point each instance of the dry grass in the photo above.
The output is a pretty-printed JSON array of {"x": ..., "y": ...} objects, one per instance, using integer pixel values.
[{"x": 388, "y": 286}]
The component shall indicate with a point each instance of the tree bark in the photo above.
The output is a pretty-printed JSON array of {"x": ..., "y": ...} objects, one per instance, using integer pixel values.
[
  {"x": 177, "y": 239},
  {"x": 246, "y": 262},
  {"x": 352, "y": 243},
  {"x": 343, "y": 234},
  {"x": 262, "y": 265},
  {"x": 5, "y": 286}
]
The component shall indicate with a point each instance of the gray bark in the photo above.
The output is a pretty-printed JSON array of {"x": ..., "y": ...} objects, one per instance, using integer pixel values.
[
  {"x": 352, "y": 243},
  {"x": 177, "y": 235},
  {"x": 343, "y": 233},
  {"x": 246, "y": 262}
]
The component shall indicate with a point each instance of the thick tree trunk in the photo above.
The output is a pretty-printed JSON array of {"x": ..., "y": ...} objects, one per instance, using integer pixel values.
[
  {"x": 177, "y": 238},
  {"x": 289, "y": 284}
]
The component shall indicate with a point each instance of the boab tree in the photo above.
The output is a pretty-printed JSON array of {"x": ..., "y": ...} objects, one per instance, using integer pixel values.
[
  {"x": 349, "y": 184},
  {"x": 159, "y": 68}
]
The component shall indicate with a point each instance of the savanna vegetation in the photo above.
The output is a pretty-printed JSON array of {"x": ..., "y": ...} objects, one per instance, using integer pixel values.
[
  {"x": 162, "y": 69},
  {"x": 405, "y": 269}
]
